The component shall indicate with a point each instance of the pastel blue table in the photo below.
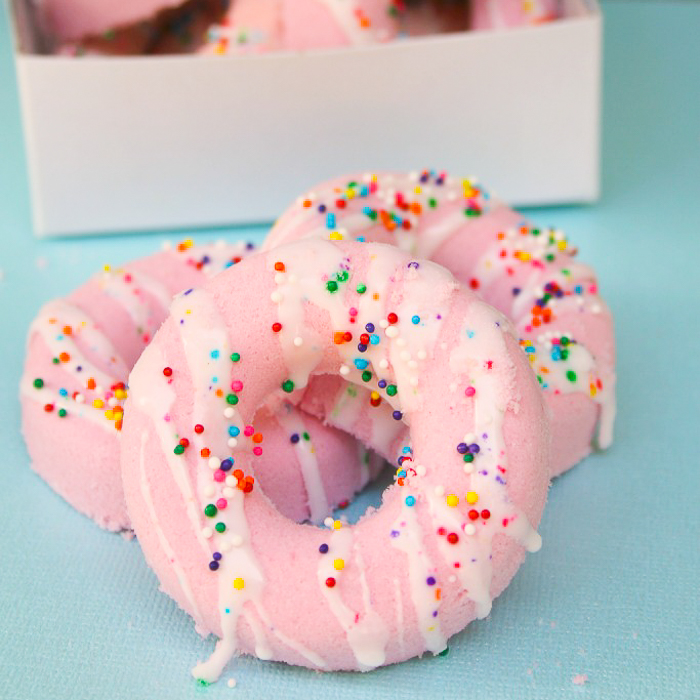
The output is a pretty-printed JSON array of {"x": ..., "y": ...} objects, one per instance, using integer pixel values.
[{"x": 611, "y": 601}]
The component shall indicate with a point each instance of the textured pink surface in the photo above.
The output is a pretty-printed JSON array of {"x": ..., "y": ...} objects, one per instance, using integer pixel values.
[
  {"x": 574, "y": 420},
  {"x": 80, "y": 458},
  {"x": 287, "y": 552}
]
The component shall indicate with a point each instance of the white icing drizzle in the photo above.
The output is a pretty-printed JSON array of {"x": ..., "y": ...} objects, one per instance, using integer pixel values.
[
  {"x": 164, "y": 543},
  {"x": 407, "y": 535},
  {"x": 399, "y": 616},
  {"x": 58, "y": 342},
  {"x": 367, "y": 635},
  {"x": 305, "y": 452}
]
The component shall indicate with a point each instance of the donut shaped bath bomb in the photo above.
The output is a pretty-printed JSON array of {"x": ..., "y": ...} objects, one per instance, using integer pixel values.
[
  {"x": 528, "y": 273},
  {"x": 69, "y": 20},
  {"x": 450, "y": 533},
  {"x": 80, "y": 351},
  {"x": 503, "y": 14},
  {"x": 256, "y": 26}
]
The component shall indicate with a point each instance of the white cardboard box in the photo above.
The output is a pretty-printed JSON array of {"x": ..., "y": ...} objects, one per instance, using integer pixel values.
[{"x": 140, "y": 143}]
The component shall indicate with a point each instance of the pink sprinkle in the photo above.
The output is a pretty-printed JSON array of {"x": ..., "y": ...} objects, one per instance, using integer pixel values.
[
  {"x": 257, "y": 450},
  {"x": 248, "y": 430},
  {"x": 353, "y": 311},
  {"x": 470, "y": 391},
  {"x": 579, "y": 679},
  {"x": 219, "y": 475},
  {"x": 221, "y": 503},
  {"x": 237, "y": 385}
]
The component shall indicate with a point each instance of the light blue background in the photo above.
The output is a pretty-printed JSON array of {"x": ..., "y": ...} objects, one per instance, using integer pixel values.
[{"x": 613, "y": 594}]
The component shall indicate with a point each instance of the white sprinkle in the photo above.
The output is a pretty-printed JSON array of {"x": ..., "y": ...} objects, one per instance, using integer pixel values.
[
  {"x": 452, "y": 578},
  {"x": 229, "y": 412},
  {"x": 236, "y": 540},
  {"x": 344, "y": 370},
  {"x": 392, "y": 332},
  {"x": 231, "y": 683},
  {"x": 468, "y": 468},
  {"x": 79, "y": 398},
  {"x": 412, "y": 364},
  {"x": 401, "y": 342},
  {"x": 422, "y": 354},
  {"x": 207, "y": 533},
  {"x": 383, "y": 363},
  {"x": 328, "y": 522},
  {"x": 209, "y": 491},
  {"x": 595, "y": 309},
  {"x": 292, "y": 279},
  {"x": 231, "y": 481},
  {"x": 229, "y": 492},
  {"x": 275, "y": 297},
  {"x": 405, "y": 354},
  {"x": 166, "y": 245},
  {"x": 298, "y": 342},
  {"x": 469, "y": 438},
  {"x": 420, "y": 470},
  {"x": 383, "y": 323},
  {"x": 439, "y": 490},
  {"x": 232, "y": 442},
  {"x": 469, "y": 529},
  {"x": 279, "y": 278},
  {"x": 112, "y": 402},
  {"x": 214, "y": 463}
]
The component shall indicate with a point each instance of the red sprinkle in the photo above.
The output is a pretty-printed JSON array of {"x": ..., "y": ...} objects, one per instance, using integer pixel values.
[
  {"x": 330, "y": 582},
  {"x": 453, "y": 538},
  {"x": 392, "y": 318},
  {"x": 199, "y": 429},
  {"x": 276, "y": 327},
  {"x": 168, "y": 372}
]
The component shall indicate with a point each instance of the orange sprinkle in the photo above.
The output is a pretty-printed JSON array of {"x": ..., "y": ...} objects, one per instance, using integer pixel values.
[
  {"x": 64, "y": 357},
  {"x": 67, "y": 330},
  {"x": 257, "y": 438}
]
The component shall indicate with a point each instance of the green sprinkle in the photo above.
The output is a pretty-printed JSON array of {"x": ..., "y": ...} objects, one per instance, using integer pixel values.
[
  {"x": 203, "y": 683},
  {"x": 444, "y": 652},
  {"x": 342, "y": 276},
  {"x": 306, "y": 436},
  {"x": 288, "y": 386},
  {"x": 571, "y": 375},
  {"x": 432, "y": 203},
  {"x": 62, "y": 413},
  {"x": 564, "y": 341},
  {"x": 391, "y": 390},
  {"x": 535, "y": 232},
  {"x": 549, "y": 257},
  {"x": 564, "y": 354},
  {"x": 179, "y": 449},
  {"x": 232, "y": 399},
  {"x": 361, "y": 288},
  {"x": 366, "y": 375},
  {"x": 235, "y": 357},
  {"x": 211, "y": 510},
  {"x": 471, "y": 212},
  {"x": 38, "y": 383},
  {"x": 332, "y": 286},
  {"x": 220, "y": 527},
  {"x": 55, "y": 360},
  {"x": 468, "y": 457}
]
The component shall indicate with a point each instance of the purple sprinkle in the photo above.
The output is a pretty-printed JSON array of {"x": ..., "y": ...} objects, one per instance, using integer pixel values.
[
  {"x": 217, "y": 556},
  {"x": 189, "y": 291},
  {"x": 483, "y": 472},
  {"x": 323, "y": 548},
  {"x": 250, "y": 245},
  {"x": 397, "y": 415},
  {"x": 395, "y": 533},
  {"x": 500, "y": 480},
  {"x": 474, "y": 448},
  {"x": 435, "y": 613},
  {"x": 414, "y": 265},
  {"x": 462, "y": 448},
  {"x": 213, "y": 565},
  {"x": 430, "y": 580},
  {"x": 295, "y": 438}
]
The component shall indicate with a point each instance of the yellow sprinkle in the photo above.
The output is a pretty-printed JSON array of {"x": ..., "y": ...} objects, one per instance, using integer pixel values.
[
  {"x": 350, "y": 194},
  {"x": 109, "y": 415},
  {"x": 338, "y": 564},
  {"x": 452, "y": 500},
  {"x": 523, "y": 256},
  {"x": 98, "y": 403},
  {"x": 561, "y": 245},
  {"x": 417, "y": 189},
  {"x": 238, "y": 584},
  {"x": 107, "y": 268},
  {"x": 594, "y": 391},
  {"x": 374, "y": 396},
  {"x": 120, "y": 394},
  {"x": 336, "y": 236},
  {"x": 472, "y": 497},
  {"x": 337, "y": 524},
  {"x": 188, "y": 243}
]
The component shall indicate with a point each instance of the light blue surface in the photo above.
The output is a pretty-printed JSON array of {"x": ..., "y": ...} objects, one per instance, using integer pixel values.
[{"x": 613, "y": 594}]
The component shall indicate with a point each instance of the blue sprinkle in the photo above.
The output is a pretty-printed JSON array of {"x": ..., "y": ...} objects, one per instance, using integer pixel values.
[
  {"x": 364, "y": 191},
  {"x": 415, "y": 320},
  {"x": 323, "y": 548},
  {"x": 234, "y": 431},
  {"x": 294, "y": 438},
  {"x": 470, "y": 334},
  {"x": 530, "y": 349},
  {"x": 410, "y": 501},
  {"x": 214, "y": 354},
  {"x": 361, "y": 364},
  {"x": 63, "y": 392},
  {"x": 374, "y": 339},
  {"x": 367, "y": 210},
  {"x": 382, "y": 383},
  {"x": 330, "y": 220},
  {"x": 406, "y": 449}
]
